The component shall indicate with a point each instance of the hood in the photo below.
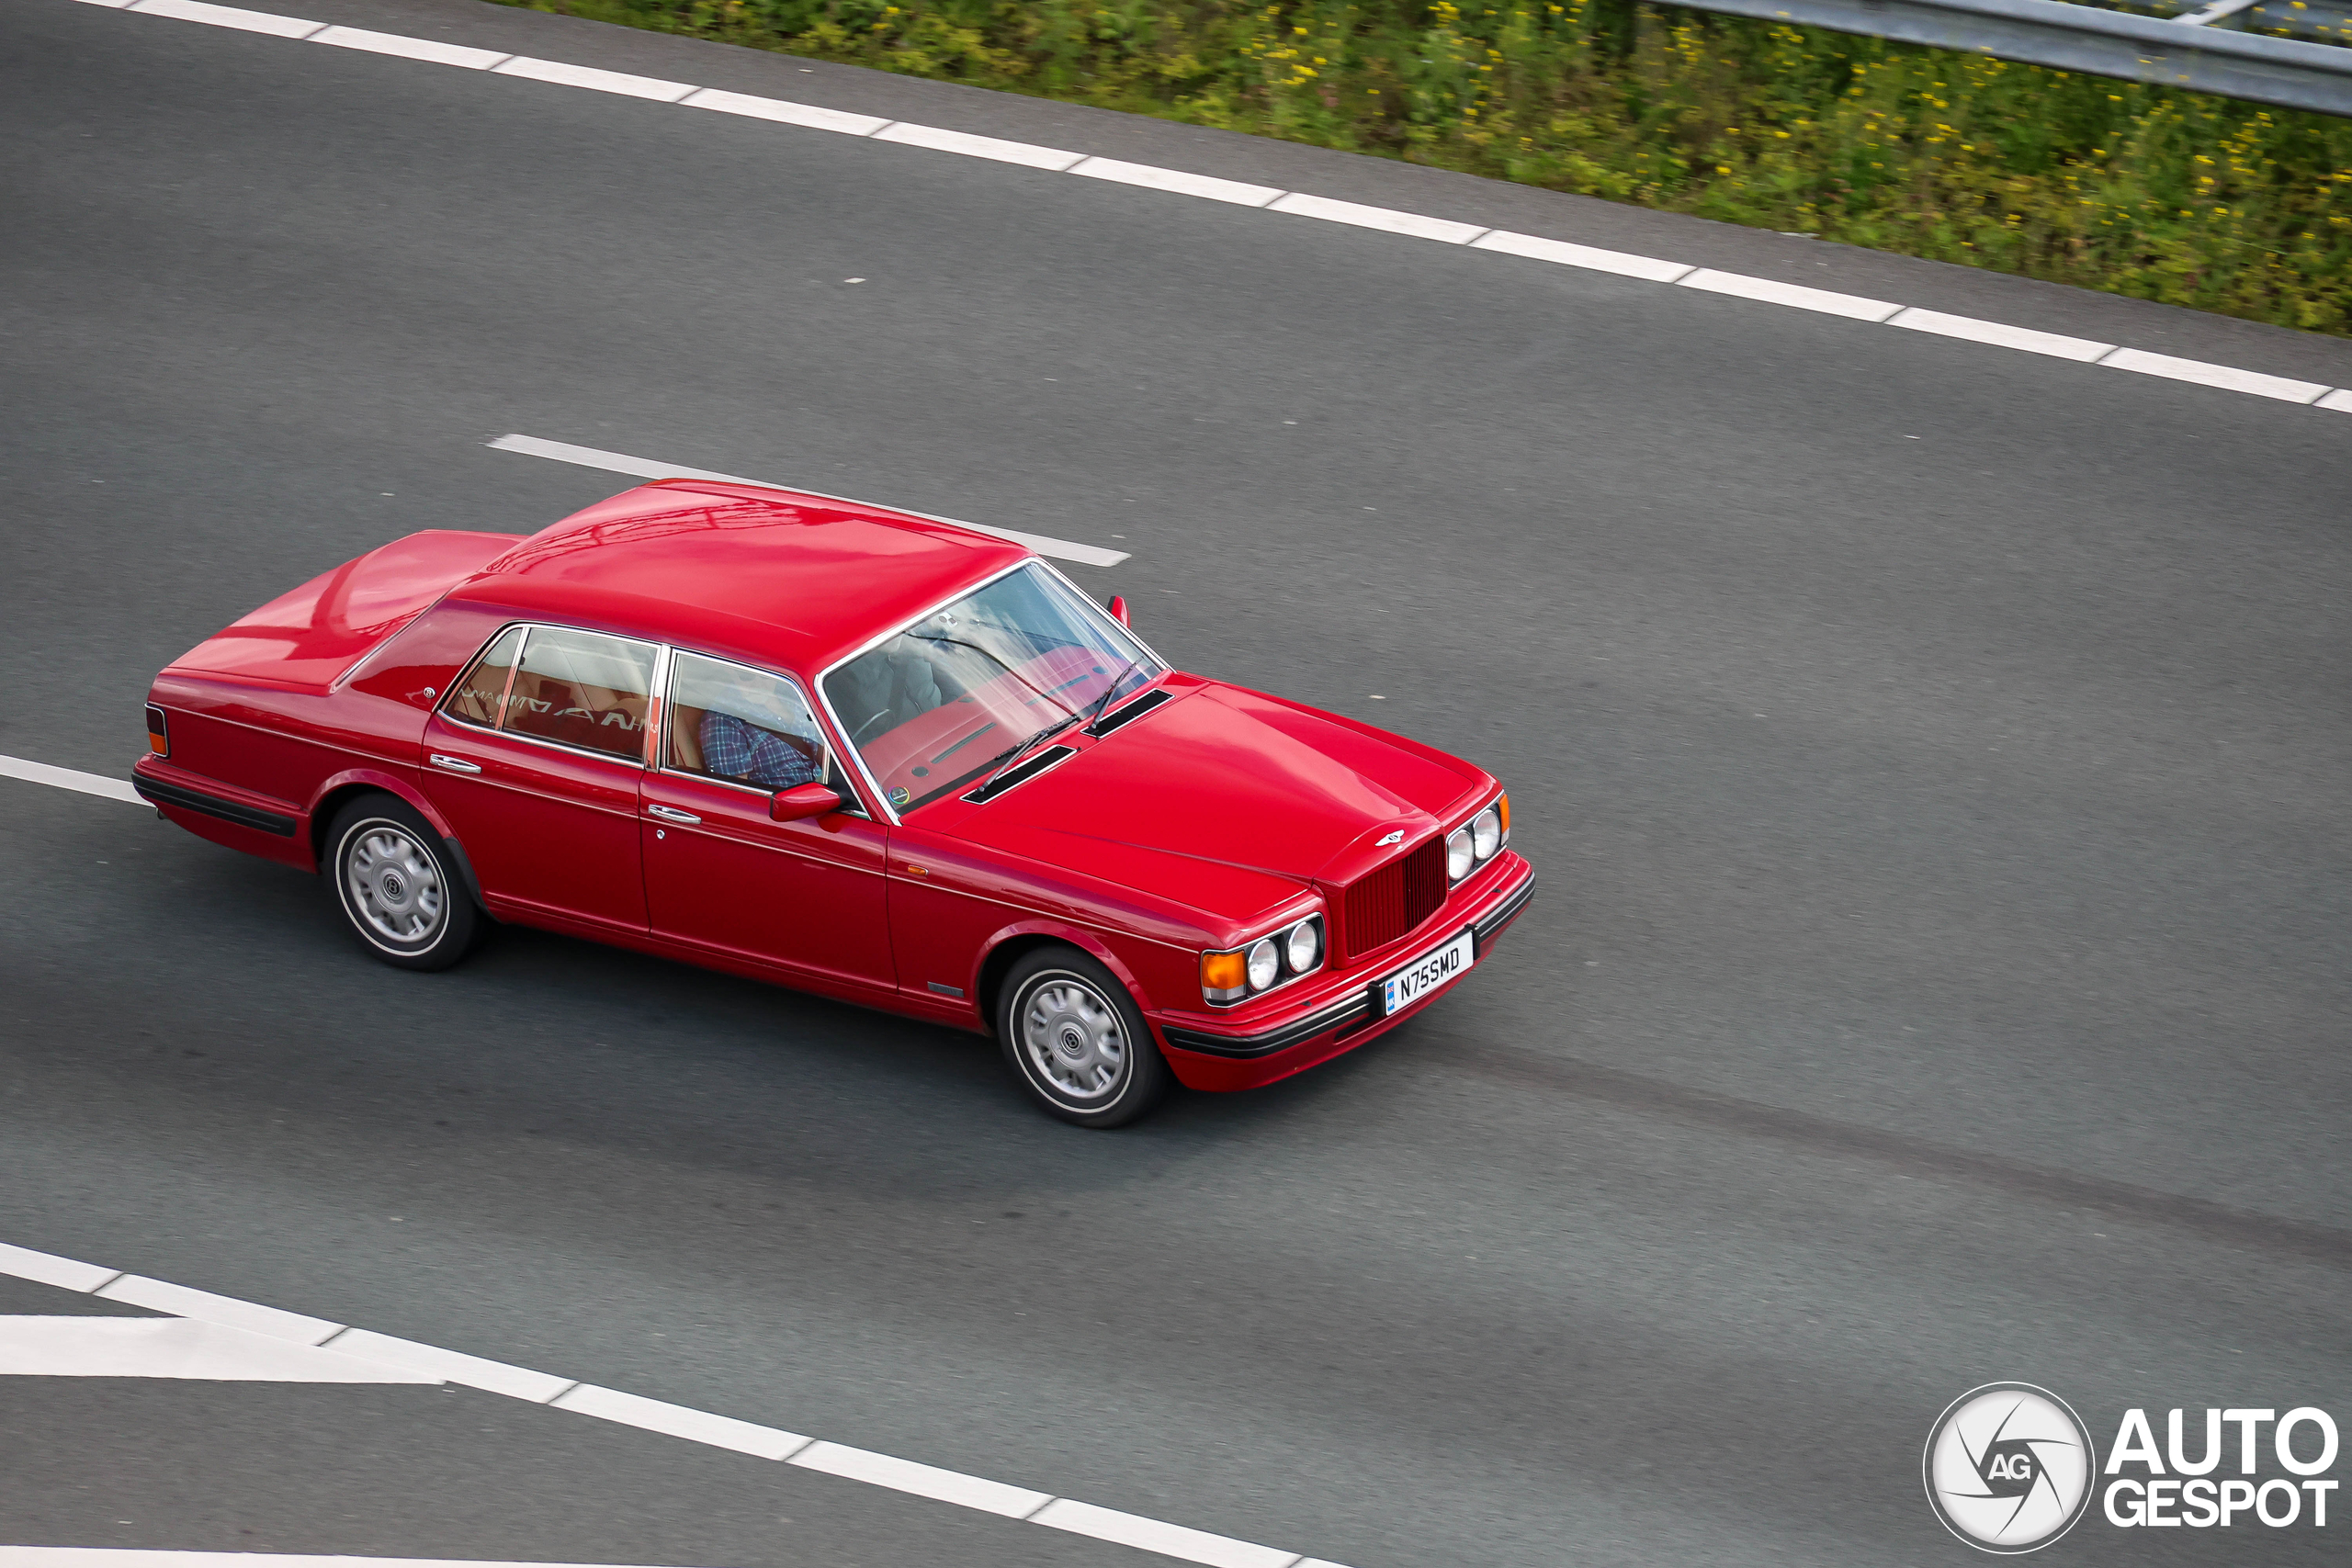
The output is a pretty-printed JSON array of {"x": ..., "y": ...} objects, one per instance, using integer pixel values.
[{"x": 1228, "y": 801}]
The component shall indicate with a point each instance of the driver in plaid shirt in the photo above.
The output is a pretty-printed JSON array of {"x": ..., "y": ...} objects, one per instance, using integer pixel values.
[{"x": 739, "y": 750}]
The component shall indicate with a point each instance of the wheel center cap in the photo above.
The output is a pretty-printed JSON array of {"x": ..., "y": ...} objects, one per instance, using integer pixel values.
[
  {"x": 395, "y": 890},
  {"x": 1073, "y": 1043}
]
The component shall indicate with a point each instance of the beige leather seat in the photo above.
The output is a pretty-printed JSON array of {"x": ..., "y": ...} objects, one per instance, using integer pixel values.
[{"x": 686, "y": 736}]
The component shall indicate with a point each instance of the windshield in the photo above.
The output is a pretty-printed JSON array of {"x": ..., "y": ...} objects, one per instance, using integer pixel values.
[{"x": 965, "y": 688}]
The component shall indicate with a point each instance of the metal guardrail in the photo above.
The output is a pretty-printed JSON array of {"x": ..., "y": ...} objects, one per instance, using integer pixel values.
[
  {"x": 2187, "y": 50},
  {"x": 2321, "y": 21}
]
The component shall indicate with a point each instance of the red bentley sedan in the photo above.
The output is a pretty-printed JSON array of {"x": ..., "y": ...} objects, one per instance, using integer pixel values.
[{"x": 874, "y": 756}]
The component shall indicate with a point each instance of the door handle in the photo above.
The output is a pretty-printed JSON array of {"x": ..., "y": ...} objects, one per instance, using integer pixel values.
[
  {"x": 454, "y": 765},
  {"x": 672, "y": 814}
]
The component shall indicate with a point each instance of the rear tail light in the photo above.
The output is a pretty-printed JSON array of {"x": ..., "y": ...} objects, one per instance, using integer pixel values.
[{"x": 159, "y": 734}]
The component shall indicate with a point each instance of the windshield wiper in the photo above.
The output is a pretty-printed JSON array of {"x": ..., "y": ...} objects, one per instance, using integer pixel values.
[
  {"x": 1112, "y": 689},
  {"x": 1004, "y": 760}
]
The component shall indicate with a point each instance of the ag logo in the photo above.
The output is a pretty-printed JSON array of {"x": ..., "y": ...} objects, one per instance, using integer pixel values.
[{"x": 2008, "y": 1467}]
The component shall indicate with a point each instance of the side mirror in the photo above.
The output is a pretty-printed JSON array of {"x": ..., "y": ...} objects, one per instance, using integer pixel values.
[
  {"x": 1119, "y": 608},
  {"x": 803, "y": 800}
]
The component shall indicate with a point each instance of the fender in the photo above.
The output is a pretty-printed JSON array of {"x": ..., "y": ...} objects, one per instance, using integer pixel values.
[
  {"x": 1079, "y": 937},
  {"x": 391, "y": 783},
  {"x": 403, "y": 789}
]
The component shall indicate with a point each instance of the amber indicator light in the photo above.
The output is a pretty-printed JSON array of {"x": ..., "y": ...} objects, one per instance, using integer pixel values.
[
  {"x": 1225, "y": 972},
  {"x": 1502, "y": 809}
]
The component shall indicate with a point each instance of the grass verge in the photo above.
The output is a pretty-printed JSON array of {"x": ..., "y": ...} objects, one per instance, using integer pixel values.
[{"x": 2147, "y": 191}]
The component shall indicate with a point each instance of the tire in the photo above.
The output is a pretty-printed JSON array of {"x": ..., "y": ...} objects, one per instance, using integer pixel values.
[
  {"x": 1076, "y": 1040},
  {"x": 398, "y": 885}
]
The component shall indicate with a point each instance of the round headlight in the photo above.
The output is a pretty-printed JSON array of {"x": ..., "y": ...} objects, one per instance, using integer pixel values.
[
  {"x": 1265, "y": 962},
  {"x": 1486, "y": 834},
  {"x": 1302, "y": 946},
  {"x": 1458, "y": 860}
]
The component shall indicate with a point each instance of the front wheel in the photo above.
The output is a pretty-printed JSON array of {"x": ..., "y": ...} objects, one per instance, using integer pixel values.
[
  {"x": 1077, "y": 1042},
  {"x": 395, "y": 885}
]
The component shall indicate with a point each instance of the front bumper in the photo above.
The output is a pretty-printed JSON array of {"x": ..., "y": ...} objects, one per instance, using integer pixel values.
[{"x": 1340, "y": 1015}]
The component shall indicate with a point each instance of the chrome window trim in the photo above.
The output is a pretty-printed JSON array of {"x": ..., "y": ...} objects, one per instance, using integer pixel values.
[
  {"x": 657, "y": 708},
  {"x": 621, "y": 757},
  {"x": 852, "y": 804},
  {"x": 506, "y": 692},
  {"x": 890, "y": 812}
]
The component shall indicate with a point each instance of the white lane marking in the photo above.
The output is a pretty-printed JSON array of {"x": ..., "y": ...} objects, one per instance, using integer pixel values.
[
  {"x": 785, "y": 112},
  {"x": 430, "y": 50},
  {"x": 923, "y": 1479},
  {"x": 110, "y": 4},
  {"x": 68, "y": 778},
  {"x": 1152, "y": 1535},
  {"x": 677, "y": 1421},
  {"x": 595, "y": 80},
  {"x": 229, "y": 17},
  {"x": 2222, "y": 376},
  {"x": 1565, "y": 255},
  {"x": 613, "y": 462},
  {"x": 175, "y": 1347},
  {"x": 2080, "y": 349},
  {"x": 1053, "y": 159},
  {"x": 1153, "y": 178},
  {"x": 1764, "y": 290},
  {"x": 1444, "y": 229},
  {"x": 48, "y": 1268},
  {"x": 126, "y": 1557},
  {"x": 652, "y": 1414},
  {"x": 651, "y": 469},
  {"x": 157, "y": 1296},
  {"x": 1853, "y": 306},
  {"x": 448, "y": 1366}
]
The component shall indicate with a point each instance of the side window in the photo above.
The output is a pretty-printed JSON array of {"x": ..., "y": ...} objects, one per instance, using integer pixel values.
[
  {"x": 731, "y": 722},
  {"x": 582, "y": 688},
  {"x": 481, "y": 695}
]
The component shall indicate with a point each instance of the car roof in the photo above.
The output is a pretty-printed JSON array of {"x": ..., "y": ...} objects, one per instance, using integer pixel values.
[{"x": 773, "y": 576}]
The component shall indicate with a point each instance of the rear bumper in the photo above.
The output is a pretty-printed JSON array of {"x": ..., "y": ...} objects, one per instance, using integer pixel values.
[
  {"x": 214, "y": 802},
  {"x": 223, "y": 813},
  {"x": 1205, "y": 1056}
]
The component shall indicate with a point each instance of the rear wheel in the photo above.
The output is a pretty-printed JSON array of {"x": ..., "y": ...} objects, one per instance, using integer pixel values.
[
  {"x": 1077, "y": 1041},
  {"x": 397, "y": 886}
]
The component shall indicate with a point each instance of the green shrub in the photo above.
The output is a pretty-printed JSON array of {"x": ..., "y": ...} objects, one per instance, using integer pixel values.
[{"x": 2148, "y": 191}]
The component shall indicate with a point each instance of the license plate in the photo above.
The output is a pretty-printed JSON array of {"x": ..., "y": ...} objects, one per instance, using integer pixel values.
[{"x": 1425, "y": 974}]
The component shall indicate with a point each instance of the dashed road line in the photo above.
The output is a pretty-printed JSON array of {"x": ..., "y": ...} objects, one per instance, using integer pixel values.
[
  {"x": 653, "y": 468},
  {"x": 703, "y": 1426},
  {"x": 68, "y": 778},
  {"x": 1297, "y": 203}
]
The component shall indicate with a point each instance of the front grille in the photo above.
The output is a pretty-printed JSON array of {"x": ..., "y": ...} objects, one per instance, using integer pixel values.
[{"x": 1391, "y": 901}]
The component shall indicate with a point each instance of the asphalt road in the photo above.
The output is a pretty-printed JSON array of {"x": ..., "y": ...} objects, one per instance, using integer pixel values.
[{"x": 1936, "y": 759}]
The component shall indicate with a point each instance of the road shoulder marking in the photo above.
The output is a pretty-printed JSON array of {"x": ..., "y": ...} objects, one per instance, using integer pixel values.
[
  {"x": 410, "y": 1361},
  {"x": 1297, "y": 203},
  {"x": 186, "y": 1348}
]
